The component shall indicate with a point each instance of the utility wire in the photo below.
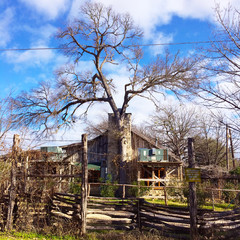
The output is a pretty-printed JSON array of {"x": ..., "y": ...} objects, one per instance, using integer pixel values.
[
  {"x": 46, "y": 140},
  {"x": 133, "y": 45}
]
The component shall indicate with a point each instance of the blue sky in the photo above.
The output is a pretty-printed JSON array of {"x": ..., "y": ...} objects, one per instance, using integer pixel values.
[{"x": 33, "y": 24}]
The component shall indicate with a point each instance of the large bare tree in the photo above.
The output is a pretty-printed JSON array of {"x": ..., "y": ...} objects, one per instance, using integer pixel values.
[{"x": 105, "y": 38}]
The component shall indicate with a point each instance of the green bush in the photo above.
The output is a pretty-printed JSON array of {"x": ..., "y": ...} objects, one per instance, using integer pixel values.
[
  {"x": 75, "y": 186},
  {"x": 229, "y": 196},
  {"x": 236, "y": 171},
  {"x": 134, "y": 192},
  {"x": 108, "y": 190},
  {"x": 202, "y": 195}
]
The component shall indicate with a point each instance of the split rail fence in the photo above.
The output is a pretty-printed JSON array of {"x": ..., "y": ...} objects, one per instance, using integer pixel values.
[
  {"x": 119, "y": 214},
  {"x": 128, "y": 214}
]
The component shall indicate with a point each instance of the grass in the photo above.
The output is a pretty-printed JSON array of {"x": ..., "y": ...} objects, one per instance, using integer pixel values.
[
  {"x": 217, "y": 206},
  {"x": 31, "y": 235},
  {"x": 100, "y": 235}
]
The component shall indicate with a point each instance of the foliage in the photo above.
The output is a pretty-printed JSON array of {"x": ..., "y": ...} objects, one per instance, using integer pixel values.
[
  {"x": 109, "y": 189},
  {"x": 202, "y": 194},
  {"x": 137, "y": 192},
  {"x": 236, "y": 171},
  {"x": 177, "y": 194},
  {"x": 231, "y": 196},
  {"x": 75, "y": 186}
]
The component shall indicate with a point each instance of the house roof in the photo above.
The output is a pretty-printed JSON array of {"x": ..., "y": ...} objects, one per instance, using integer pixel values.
[{"x": 151, "y": 141}]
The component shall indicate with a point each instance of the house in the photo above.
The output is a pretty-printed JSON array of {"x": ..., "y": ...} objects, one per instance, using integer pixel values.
[{"x": 144, "y": 160}]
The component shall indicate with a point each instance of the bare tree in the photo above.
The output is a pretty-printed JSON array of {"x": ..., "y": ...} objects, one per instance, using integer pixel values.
[
  {"x": 210, "y": 142},
  {"x": 106, "y": 38},
  {"x": 222, "y": 62},
  {"x": 96, "y": 129},
  {"x": 5, "y": 121},
  {"x": 172, "y": 125}
]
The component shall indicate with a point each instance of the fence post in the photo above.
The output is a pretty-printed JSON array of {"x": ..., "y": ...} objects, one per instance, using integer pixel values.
[
  {"x": 192, "y": 194},
  {"x": 213, "y": 200},
  {"x": 13, "y": 188},
  {"x": 84, "y": 192},
  {"x": 139, "y": 202},
  {"x": 124, "y": 191},
  {"x": 165, "y": 196}
]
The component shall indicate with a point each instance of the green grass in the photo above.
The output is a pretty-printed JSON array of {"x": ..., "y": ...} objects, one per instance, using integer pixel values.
[
  {"x": 97, "y": 235},
  {"x": 217, "y": 206},
  {"x": 31, "y": 235}
]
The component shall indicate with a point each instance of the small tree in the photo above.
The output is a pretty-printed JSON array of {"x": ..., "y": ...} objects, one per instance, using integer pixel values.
[{"x": 109, "y": 189}]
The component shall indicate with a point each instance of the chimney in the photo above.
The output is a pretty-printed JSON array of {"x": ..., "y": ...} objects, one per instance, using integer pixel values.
[{"x": 113, "y": 143}]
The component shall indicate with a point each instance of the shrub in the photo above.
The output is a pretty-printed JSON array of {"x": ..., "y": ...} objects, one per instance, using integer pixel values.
[
  {"x": 202, "y": 195},
  {"x": 229, "y": 196},
  {"x": 134, "y": 192},
  {"x": 75, "y": 186},
  {"x": 108, "y": 190}
]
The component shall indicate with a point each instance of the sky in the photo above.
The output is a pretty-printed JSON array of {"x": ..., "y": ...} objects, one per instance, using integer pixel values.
[{"x": 27, "y": 24}]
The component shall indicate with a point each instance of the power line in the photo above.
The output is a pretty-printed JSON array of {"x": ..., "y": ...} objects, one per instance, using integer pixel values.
[
  {"x": 47, "y": 140},
  {"x": 133, "y": 45},
  {"x": 29, "y": 49}
]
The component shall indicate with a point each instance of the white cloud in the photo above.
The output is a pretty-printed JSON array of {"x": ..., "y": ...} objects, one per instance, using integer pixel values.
[
  {"x": 50, "y": 9},
  {"x": 159, "y": 38},
  {"x": 29, "y": 58},
  {"x": 39, "y": 38},
  {"x": 152, "y": 13},
  {"x": 43, "y": 33},
  {"x": 6, "y": 19}
]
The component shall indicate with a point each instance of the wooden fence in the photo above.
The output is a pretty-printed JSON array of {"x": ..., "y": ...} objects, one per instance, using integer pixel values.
[
  {"x": 128, "y": 214},
  {"x": 102, "y": 213}
]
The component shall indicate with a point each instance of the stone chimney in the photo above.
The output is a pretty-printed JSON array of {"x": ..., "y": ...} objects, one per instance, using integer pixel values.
[{"x": 113, "y": 144}]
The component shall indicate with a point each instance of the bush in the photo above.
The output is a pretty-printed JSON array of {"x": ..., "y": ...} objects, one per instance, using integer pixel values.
[
  {"x": 202, "y": 195},
  {"x": 108, "y": 190},
  {"x": 75, "y": 186},
  {"x": 229, "y": 196},
  {"x": 133, "y": 191},
  {"x": 236, "y": 171}
]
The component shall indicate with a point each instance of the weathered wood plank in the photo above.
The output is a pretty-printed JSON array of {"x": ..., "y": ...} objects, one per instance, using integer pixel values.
[
  {"x": 165, "y": 229},
  {"x": 160, "y": 218},
  {"x": 165, "y": 213}
]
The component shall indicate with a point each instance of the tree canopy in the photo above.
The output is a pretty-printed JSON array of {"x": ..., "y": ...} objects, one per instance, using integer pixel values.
[{"x": 104, "y": 38}]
